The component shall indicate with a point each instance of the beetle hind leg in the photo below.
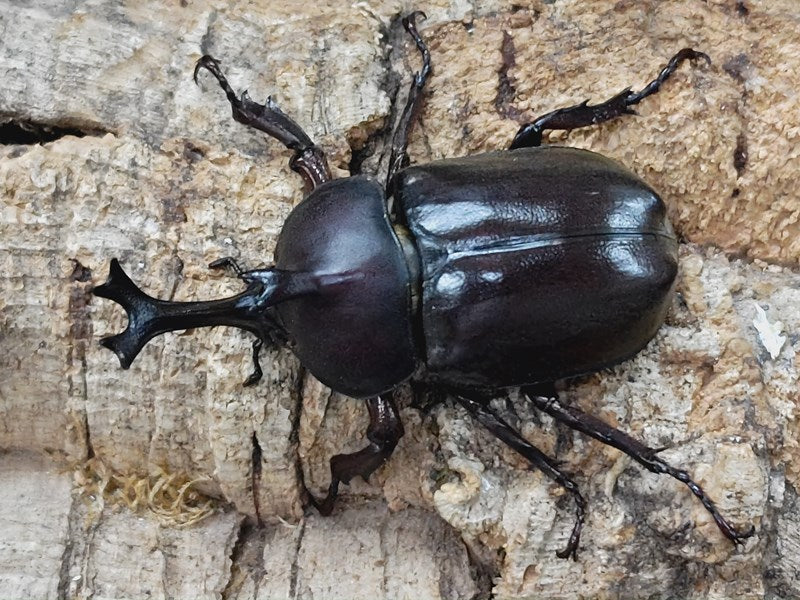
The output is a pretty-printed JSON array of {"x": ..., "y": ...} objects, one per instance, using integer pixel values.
[
  {"x": 644, "y": 455},
  {"x": 308, "y": 160},
  {"x": 383, "y": 433},
  {"x": 585, "y": 114},
  {"x": 399, "y": 157},
  {"x": 512, "y": 438}
]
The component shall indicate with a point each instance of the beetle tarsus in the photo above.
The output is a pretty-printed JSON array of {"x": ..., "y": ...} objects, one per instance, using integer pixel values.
[
  {"x": 513, "y": 439},
  {"x": 399, "y": 157},
  {"x": 384, "y": 431},
  {"x": 585, "y": 114},
  {"x": 669, "y": 69},
  {"x": 211, "y": 64},
  {"x": 728, "y": 530},
  {"x": 308, "y": 160},
  {"x": 644, "y": 455}
]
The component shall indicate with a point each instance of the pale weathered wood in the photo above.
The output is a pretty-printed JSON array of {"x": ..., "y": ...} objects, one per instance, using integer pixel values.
[{"x": 167, "y": 182}]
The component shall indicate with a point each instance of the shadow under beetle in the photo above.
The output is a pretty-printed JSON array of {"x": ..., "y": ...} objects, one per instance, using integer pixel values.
[{"x": 508, "y": 269}]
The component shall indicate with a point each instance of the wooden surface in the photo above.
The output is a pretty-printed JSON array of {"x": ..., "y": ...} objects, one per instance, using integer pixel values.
[{"x": 100, "y": 466}]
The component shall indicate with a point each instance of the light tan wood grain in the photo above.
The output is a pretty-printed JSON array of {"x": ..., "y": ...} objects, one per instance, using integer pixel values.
[{"x": 168, "y": 182}]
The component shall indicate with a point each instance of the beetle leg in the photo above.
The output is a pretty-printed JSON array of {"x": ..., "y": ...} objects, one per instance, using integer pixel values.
[
  {"x": 257, "y": 373},
  {"x": 399, "y": 158},
  {"x": 584, "y": 114},
  {"x": 512, "y": 438},
  {"x": 308, "y": 160},
  {"x": 644, "y": 455},
  {"x": 228, "y": 262},
  {"x": 383, "y": 433}
]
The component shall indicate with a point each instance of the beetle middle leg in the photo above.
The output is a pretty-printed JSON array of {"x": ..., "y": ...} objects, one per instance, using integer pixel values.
[
  {"x": 308, "y": 160},
  {"x": 584, "y": 114},
  {"x": 644, "y": 455},
  {"x": 512, "y": 438},
  {"x": 399, "y": 158},
  {"x": 383, "y": 433}
]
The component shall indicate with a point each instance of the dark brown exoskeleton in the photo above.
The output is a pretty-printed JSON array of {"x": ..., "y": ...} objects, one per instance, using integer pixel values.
[{"x": 510, "y": 269}]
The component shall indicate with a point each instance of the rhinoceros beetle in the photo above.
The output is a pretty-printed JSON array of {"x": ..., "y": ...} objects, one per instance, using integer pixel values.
[{"x": 508, "y": 269}]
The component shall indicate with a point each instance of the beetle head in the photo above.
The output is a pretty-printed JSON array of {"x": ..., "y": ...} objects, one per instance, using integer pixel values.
[{"x": 250, "y": 310}]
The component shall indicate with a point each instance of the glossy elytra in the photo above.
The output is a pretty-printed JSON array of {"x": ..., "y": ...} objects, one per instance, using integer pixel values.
[{"x": 515, "y": 268}]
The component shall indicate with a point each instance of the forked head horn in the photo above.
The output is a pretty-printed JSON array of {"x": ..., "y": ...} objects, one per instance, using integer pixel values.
[
  {"x": 149, "y": 317},
  {"x": 143, "y": 313}
]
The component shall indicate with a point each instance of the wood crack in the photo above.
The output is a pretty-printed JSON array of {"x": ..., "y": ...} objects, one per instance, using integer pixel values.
[
  {"x": 295, "y": 568},
  {"x": 30, "y": 132},
  {"x": 237, "y": 569}
]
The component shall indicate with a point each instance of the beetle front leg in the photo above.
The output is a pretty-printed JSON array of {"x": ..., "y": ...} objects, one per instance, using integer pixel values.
[
  {"x": 644, "y": 455},
  {"x": 584, "y": 114},
  {"x": 308, "y": 160},
  {"x": 512, "y": 438},
  {"x": 383, "y": 433},
  {"x": 257, "y": 373},
  {"x": 228, "y": 262}
]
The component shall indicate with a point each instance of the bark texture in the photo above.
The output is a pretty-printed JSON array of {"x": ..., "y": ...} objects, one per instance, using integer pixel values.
[{"x": 100, "y": 467}]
